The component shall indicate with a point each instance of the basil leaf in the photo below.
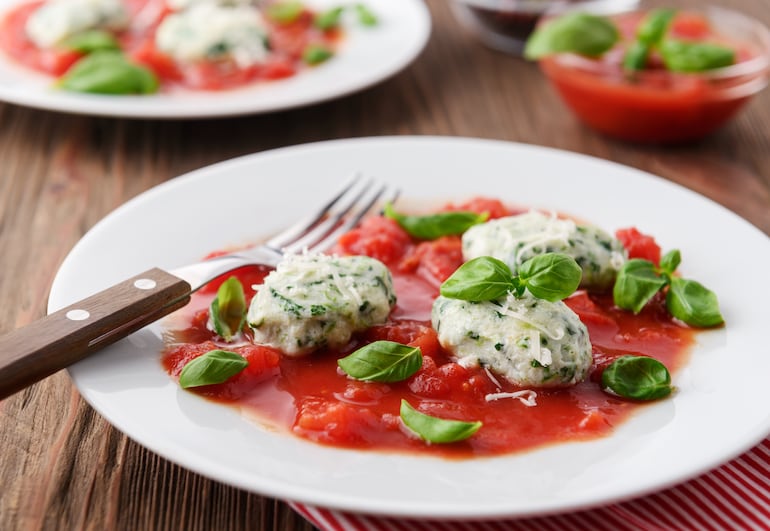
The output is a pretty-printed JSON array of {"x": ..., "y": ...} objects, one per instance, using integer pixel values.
[
  {"x": 365, "y": 16},
  {"x": 480, "y": 279},
  {"x": 670, "y": 261},
  {"x": 550, "y": 276},
  {"x": 693, "y": 303},
  {"x": 227, "y": 311},
  {"x": 654, "y": 26},
  {"x": 636, "y": 56},
  {"x": 685, "y": 56},
  {"x": 214, "y": 367},
  {"x": 636, "y": 284},
  {"x": 436, "y": 430},
  {"x": 382, "y": 361},
  {"x": 316, "y": 54},
  {"x": 436, "y": 225},
  {"x": 108, "y": 72},
  {"x": 328, "y": 19},
  {"x": 284, "y": 12},
  {"x": 649, "y": 33},
  {"x": 579, "y": 33},
  {"x": 91, "y": 41},
  {"x": 637, "y": 377}
]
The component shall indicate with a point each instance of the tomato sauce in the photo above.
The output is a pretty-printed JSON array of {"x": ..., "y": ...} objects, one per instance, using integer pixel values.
[
  {"x": 14, "y": 41},
  {"x": 654, "y": 105},
  {"x": 311, "y": 398},
  {"x": 287, "y": 43}
]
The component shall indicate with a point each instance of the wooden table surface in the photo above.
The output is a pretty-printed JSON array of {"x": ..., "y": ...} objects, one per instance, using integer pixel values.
[{"x": 62, "y": 466}]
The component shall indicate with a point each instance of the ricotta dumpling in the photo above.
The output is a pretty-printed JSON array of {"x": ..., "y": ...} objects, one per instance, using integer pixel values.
[
  {"x": 213, "y": 32},
  {"x": 178, "y": 5},
  {"x": 528, "y": 341},
  {"x": 516, "y": 239},
  {"x": 315, "y": 301},
  {"x": 56, "y": 20}
]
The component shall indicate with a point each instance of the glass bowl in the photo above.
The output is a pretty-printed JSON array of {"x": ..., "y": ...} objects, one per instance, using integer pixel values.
[
  {"x": 506, "y": 24},
  {"x": 657, "y": 105}
]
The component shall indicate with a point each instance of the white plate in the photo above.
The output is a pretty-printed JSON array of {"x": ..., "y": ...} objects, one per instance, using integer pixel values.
[
  {"x": 722, "y": 407},
  {"x": 366, "y": 56}
]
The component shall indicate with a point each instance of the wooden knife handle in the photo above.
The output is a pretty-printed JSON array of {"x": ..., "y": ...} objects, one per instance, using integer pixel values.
[{"x": 39, "y": 349}]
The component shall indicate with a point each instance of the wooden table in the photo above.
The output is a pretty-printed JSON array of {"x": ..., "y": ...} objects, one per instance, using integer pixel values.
[{"x": 64, "y": 467}]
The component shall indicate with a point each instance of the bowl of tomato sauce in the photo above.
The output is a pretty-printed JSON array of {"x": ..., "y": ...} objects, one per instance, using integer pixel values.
[
  {"x": 671, "y": 76},
  {"x": 505, "y": 25}
]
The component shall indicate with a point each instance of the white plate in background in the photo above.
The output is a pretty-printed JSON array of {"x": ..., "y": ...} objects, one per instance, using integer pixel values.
[{"x": 366, "y": 56}]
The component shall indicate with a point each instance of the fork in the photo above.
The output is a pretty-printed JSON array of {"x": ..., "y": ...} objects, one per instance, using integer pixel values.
[{"x": 39, "y": 349}]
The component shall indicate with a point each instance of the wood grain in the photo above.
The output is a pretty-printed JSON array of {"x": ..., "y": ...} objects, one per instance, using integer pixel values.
[{"x": 62, "y": 465}]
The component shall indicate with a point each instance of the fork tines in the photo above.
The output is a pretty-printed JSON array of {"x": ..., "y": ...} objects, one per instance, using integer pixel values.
[{"x": 320, "y": 230}]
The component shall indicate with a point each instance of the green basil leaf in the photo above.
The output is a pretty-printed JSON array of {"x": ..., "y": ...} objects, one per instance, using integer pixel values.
[
  {"x": 480, "y": 279},
  {"x": 636, "y": 56},
  {"x": 316, "y": 54},
  {"x": 693, "y": 303},
  {"x": 108, "y": 72},
  {"x": 436, "y": 225},
  {"x": 654, "y": 26},
  {"x": 214, "y": 367},
  {"x": 284, "y": 12},
  {"x": 648, "y": 35},
  {"x": 382, "y": 361},
  {"x": 670, "y": 261},
  {"x": 637, "y": 283},
  {"x": 328, "y": 19},
  {"x": 579, "y": 33},
  {"x": 550, "y": 276},
  {"x": 637, "y": 377},
  {"x": 91, "y": 41},
  {"x": 227, "y": 312},
  {"x": 685, "y": 56},
  {"x": 436, "y": 430},
  {"x": 365, "y": 16}
]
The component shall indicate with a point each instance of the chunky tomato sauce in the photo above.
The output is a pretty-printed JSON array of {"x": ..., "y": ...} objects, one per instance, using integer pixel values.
[
  {"x": 313, "y": 399},
  {"x": 287, "y": 43},
  {"x": 654, "y": 105}
]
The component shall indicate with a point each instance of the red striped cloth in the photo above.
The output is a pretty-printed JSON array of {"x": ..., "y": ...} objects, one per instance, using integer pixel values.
[{"x": 733, "y": 496}]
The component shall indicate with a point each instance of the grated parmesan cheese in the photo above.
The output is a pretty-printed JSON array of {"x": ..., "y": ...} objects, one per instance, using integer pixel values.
[
  {"x": 526, "y": 397},
  {"x": 520, "y": 312}
]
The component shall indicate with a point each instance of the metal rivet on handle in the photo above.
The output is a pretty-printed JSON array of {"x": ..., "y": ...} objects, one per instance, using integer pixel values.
[
  {"x": 78, "y": 315},
  {"x": 145, "y": 283}
]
